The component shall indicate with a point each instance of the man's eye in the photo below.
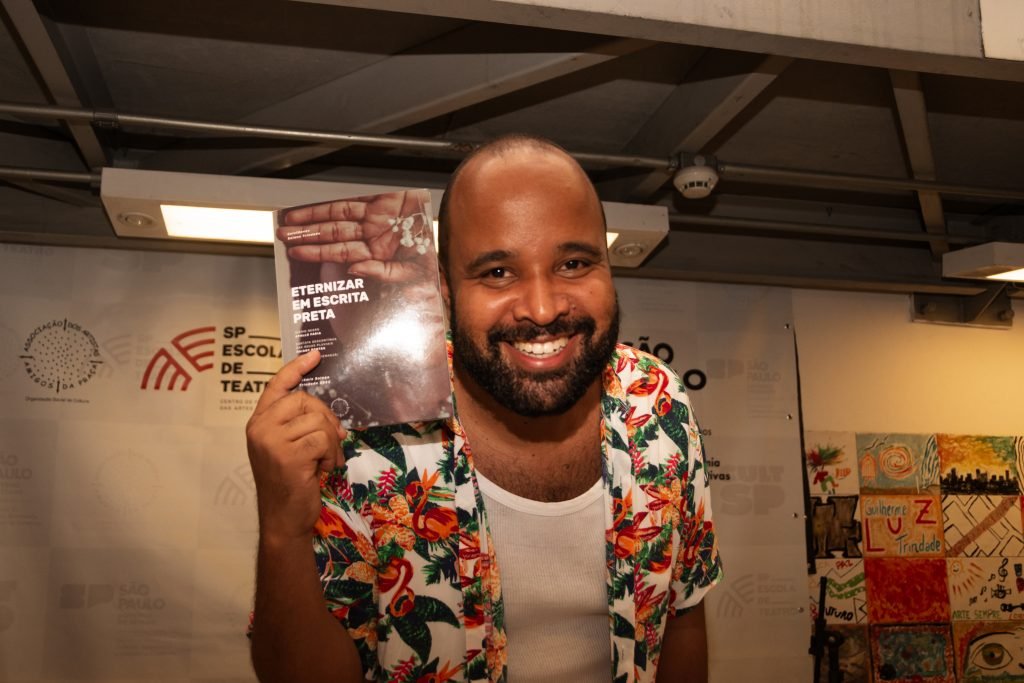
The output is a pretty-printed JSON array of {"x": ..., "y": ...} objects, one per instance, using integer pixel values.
[
  {"x": 496, "y": 273},
  {"x": 575, "y": 264}
]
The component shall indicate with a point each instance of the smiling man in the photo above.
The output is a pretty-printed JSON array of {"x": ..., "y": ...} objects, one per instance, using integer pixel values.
[{"x": 558, "y": 528}]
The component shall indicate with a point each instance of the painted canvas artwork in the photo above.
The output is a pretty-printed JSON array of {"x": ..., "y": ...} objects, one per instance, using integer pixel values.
[
  {"x": 980, "y": 464},
  {"x": 901, "y": 525},
  {"x": 913, "y": 654},
  {"x": 989, "y": 651},
  {"x": 845, "y": 593},
  {"x": 924, "y": 558},
  {"x": 898, "y": 463},
  {"x": 904, "y": 590},
  {"x": 986, "y": 588},
  {"x": 854, "y": 655},
  {"x": 835, "y": 527},
  {"x": 831, "y": 460},
  {"x": 982, "y": 526}
]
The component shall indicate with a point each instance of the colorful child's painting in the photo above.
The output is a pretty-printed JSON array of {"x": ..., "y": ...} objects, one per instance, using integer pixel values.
[
  {"x": 982, "y": 526},
  {"x": 831, "y": 460},
  {"x": 986, "y": 588},
  {"x": 913, "y": 654},
  {"x": 902, "y": 526},
  {"x": 906, "y": 590},
  {"x": 989, "y": 651},
  {"x": 835, "y": 527},
  {"x": 898, "y": 463},
  {"x": 845, "y": 596},
  {"x": 980, "y": 464},
  {"x": 854, "y": 655}
]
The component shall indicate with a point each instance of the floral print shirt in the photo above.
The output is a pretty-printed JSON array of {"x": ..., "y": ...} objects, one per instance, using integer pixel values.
[{"x": 407, "y": 564}]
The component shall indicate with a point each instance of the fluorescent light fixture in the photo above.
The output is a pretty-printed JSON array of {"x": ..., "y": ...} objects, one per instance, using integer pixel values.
[
  {"x": 208, "y": 223},
  {"x": 194, "y": 206},
  {"x": 634, "y": 232},
  {"x": 991, "y": 261},
  {"x": 1011, "y": 275},
  {"x": 137, "y": 203}
]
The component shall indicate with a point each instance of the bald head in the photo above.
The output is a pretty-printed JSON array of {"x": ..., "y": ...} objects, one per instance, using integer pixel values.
[{"x": 492, "y": 166}]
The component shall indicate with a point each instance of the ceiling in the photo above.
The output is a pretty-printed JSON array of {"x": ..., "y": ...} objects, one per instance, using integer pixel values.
[{"x": 313, "y": 67}]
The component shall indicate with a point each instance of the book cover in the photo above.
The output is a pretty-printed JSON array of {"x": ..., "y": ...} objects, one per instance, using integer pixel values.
[{"x": 358, "y": 279}]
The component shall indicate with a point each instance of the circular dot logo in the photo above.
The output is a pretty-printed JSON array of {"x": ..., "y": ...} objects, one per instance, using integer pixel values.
[
  {"x": 61, "y": 355},
  {"x": 127, "y": 482}
]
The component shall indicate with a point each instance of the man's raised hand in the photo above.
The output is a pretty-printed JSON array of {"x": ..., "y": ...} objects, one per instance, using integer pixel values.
[{"x": 292, "y": 438}]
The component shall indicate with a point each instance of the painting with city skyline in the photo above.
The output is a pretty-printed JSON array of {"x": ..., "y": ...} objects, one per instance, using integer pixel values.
[
  {"x": 924, "y": 561},
  {"x": 978, "y": 464}
]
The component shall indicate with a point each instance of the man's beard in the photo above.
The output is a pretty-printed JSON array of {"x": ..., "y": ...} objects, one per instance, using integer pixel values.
[{"x": 534, "y": 394}]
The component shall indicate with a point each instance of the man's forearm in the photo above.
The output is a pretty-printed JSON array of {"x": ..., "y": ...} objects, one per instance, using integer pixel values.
[
  {"x": 684, "y": 650},
  {"x": 294, "y": 637}
]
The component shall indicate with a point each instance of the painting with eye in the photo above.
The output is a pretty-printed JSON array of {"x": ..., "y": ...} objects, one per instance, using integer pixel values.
[{"x": 990, "y": 651}]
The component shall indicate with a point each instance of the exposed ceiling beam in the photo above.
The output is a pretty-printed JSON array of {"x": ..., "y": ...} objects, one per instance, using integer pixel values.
[
  {"x": 467, "y": 66},
  {"x": 46, "y": 59},
  {"x": 913, "y": 116},
  {"x": 61, "y": 194},
  {"x": 937, "y": 36},
  {"x": 721, "y": 86}
]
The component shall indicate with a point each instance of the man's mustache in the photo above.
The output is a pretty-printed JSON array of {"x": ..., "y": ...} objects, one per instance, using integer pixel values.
[{"x": 527, "y": 331}]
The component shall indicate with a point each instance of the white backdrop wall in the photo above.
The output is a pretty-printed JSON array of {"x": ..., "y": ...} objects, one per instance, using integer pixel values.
[{"x": 126, "y": 511}]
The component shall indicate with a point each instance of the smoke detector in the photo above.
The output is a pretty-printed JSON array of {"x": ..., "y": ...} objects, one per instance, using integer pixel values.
[{"x": 697, "y": 180}]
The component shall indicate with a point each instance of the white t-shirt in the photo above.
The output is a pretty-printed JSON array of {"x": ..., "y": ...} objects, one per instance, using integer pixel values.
[{"x": 552, "y": 562}]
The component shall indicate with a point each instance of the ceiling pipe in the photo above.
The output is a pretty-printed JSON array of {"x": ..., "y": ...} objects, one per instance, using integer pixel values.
[
  {"x": 47, "y": 175},
  {"x": 825, "y": 179},
  {"x": 761, "y": 174},
  {"x": 683, "y": 221},
  {"x": 720, "y": 224}
]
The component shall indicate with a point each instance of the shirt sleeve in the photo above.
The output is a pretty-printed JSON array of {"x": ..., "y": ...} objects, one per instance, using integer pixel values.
[
  {"x": 346, "y": 562},
  {"x": 697, "y": 566}
]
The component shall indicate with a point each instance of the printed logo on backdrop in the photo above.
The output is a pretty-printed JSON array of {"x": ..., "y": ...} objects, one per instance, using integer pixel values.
[
  {"x": 135, "y": 602},
  {"x": 242, "y": 362},
  {"x": 236, "y": 488},
  {"x": 759, "y": 595},
  {"x": 173, "y": 366},
  {"x": 762, "y": 382},
  {"x": 127, "y": 482},
  {"x": 693, "y": 379},
  {"x": 60, "y": 356},
  {"x": 747, "y": 489}
]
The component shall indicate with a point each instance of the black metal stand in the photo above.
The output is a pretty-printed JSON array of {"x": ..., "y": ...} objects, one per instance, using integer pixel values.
[{"x": 822, "y": 638}]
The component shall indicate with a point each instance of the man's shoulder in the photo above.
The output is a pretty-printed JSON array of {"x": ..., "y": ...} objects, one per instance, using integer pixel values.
[{"x": 630, "y": 364}]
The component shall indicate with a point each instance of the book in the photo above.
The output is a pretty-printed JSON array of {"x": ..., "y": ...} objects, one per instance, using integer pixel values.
[{"x": 358, "y": 279}]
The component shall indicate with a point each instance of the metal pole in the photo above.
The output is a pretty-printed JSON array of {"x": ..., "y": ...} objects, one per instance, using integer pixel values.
[
  {"x": 11, "y": 173},
  {"x": 725, "y": 223},
  {"x": 759, "y": 174},
  {"x": 786, "y": 176}
]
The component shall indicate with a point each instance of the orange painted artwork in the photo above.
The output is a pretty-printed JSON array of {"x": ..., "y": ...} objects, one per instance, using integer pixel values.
[{"x": 902, "y": 526}]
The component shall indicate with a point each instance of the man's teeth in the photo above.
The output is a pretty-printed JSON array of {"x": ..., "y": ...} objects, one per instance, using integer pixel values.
[{"x": 542, "y": 349}]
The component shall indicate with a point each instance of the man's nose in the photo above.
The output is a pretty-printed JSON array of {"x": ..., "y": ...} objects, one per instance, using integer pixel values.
[{"x": 541, "y": 300}]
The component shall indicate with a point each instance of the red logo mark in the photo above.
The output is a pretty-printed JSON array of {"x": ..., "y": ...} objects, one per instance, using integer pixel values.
[{"x": 190, "y": 346}]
